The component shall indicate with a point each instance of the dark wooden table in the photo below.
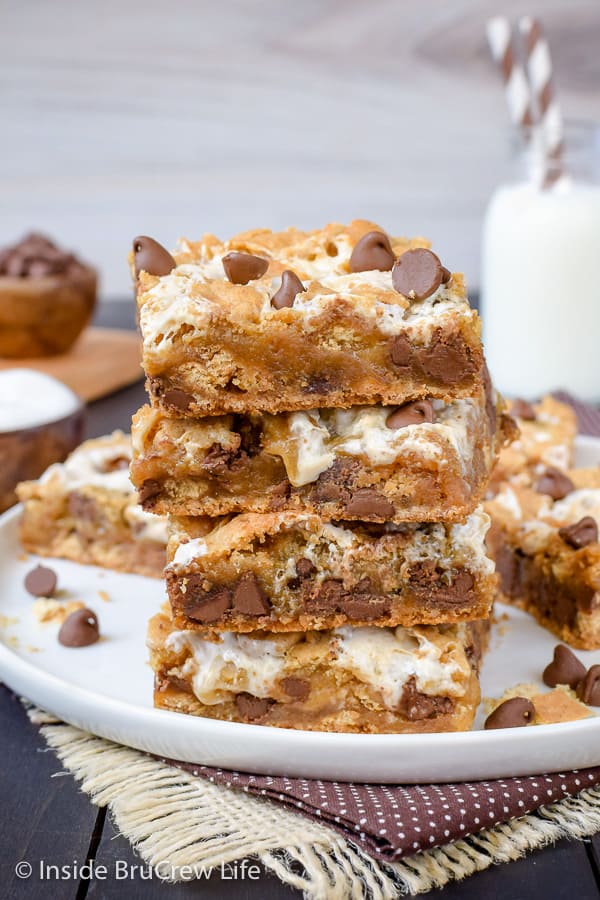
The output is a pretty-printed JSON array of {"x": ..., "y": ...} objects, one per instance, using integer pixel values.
[{"x": 44, "y": 817}]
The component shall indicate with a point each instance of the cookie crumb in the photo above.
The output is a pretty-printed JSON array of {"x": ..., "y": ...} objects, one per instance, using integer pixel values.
[{"x": 53, "y": 610}]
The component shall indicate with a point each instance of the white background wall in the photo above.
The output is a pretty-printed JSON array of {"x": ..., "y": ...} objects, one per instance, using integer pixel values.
[{"x": 177, "y": 118}]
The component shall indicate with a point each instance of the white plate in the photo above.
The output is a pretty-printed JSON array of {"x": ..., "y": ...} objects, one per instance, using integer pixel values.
[{"x": 107, "y": 689}]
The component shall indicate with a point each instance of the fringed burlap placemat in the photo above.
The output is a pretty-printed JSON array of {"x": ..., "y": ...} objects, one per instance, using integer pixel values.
[{"x": 173, "y": 816}]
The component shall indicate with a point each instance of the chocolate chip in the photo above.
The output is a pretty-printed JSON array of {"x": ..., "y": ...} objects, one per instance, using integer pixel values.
[
  {"x": 581, "y": 533},
  {"x": 208, "y": 606},
  {"x": 401, "y": 352},
  {"x": 367, "y": 503},
  {"x": 418, "y": 273},
  {"x": 251, "y": 707},
  {"x": 362, "y": 607},
  {"x": 555, "y": 483},
  {"x": 305, "y": 568},
  {"x": 522, "y": 409},
  {"x": 241, "y": 268},
  {"x": 80, "y": 629},
  {"x": 445, "y": 361},
  {"x": 150, "y": 256},
  {"x": 328, "y": 596},
  {"x": 414, "y": 413},
  {"x": 298, "y": 688},
  {"x": 415, "y": 705},
  {"x": 178, "y": 399},
  {"x": 149, "y": 489},
  {"x": 373, "y": 251},
  {"x": 588, "y": 689},
  {"x": 290, "y": 286},
  {"x": 82, "y": 507},
  {"x": 511, "y": 714},
  {"x": 41, "y": 582},
  {"x": 249, "y": 598},
  {"x": 565, "y": 668}
]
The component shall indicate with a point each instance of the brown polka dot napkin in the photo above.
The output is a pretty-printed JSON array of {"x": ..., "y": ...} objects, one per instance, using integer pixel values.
[{"x": 391, "y": 821}]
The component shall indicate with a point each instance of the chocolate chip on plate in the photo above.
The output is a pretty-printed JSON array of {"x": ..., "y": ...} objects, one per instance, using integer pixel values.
[
  {"x": 418, "y": 273},
  {"x": 241, "y": 268},
  {"x": 554, "y": 483},
  {"x": 565, "y": 668},
  {"x": 588, "y": 689},
  {"x": 512, "y": 713},
  {"x": 581, "y": 533},
  {"x": 150, "y": 256},
  {"x": 80, "y": 629},
  {"x": 41, "y": 582},
  {"x": 414, "y": 413},
  {"x": 523, "y": 410},
  {"x": 373, "y": 251},
  {"x": 290, "y": 286}
]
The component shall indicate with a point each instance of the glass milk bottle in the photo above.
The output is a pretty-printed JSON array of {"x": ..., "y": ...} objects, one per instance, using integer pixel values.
[{"x": 541, "y": 273}]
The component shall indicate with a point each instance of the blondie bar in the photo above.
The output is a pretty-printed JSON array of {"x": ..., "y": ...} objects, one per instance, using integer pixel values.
[
  {"x": 295, "y": 572},
  {"x": 546, "y": 437},
  {"x": 370, "y": 680},
  {"x": 86, "y": 509},
  {"x": 293, "y": 320},
  {"x": 544, "y": 539},
  {"x": 424, "y": 461}
]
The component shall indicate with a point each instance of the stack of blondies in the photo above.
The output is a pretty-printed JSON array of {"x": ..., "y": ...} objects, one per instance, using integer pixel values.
[{"x": 321, "y": 431}]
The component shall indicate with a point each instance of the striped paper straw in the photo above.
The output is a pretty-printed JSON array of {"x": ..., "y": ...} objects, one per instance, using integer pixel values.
[
  {"x": 539, "y": 70},
  {"x": 518, "y": 94}
]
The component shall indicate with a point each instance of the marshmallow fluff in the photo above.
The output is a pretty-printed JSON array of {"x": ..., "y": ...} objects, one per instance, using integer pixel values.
[
  {"x": 313, "y": 440},
  {"x": 383, "y": 658},
  {"x": 29, "y": 398}
]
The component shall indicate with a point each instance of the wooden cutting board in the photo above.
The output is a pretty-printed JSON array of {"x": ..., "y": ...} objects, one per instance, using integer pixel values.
[{"x": 102, "y": 361}]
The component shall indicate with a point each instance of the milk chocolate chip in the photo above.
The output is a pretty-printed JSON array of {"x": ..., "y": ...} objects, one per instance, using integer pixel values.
[
  {"x": 290, "y": 286},
  {"x": 80, "y": 629},
  {"x": 418, "y": 273},
  {"x": 41, "y": 582},
  {"x": 565, "y": 668},
  {"x": 298, "y": 688},
  {"x": 251, "y": 707},
  {"x": 554, "y": 483},
  {"x": 207, "y": 607},
  {"x": 522, "y": 410},
  {"x": 581, "y": 533},
  {"x": 401, "y": 352},
  {"x": 149, "y": 489},
  {"x": 511, "y": 714},
  {"x": 373, "y": 251},
  {"x": 588, "y": 689},
  {"x": 414, "y": 413},
  {"x": 178, "y": 399},
  {"x": 367, "y": 503},
  {"x": 241, "y": 268},
  {"x": 249, "y": 598},
  {"x": 151, "y": 257},
  {"x": 305, "y": 568}
]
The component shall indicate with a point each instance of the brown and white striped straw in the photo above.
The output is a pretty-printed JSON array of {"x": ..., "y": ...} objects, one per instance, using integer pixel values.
[
  {"x": 518, "y": 94},
  {"x": 543, "y": 96}
]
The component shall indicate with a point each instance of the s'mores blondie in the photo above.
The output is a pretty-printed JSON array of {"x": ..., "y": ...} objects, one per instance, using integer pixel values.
[
  {"x": 295, "y": 572},
  {"x": 544, "y": 539},
  {"x": 427, "y": 460},
  {"x": 294, "y": 320},
  {"x": 368, "y": 680},
  {"x": 86, "y": 510}
]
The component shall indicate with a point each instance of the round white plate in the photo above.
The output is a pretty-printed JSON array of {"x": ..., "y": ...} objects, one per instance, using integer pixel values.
[{"x": 107, "y": 689}]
